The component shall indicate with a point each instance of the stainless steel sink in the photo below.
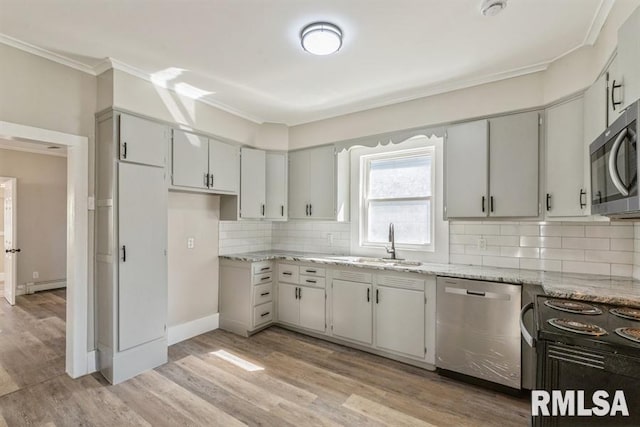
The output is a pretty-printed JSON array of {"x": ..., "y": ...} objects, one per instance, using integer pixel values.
[{"x": 377, "y": 261}]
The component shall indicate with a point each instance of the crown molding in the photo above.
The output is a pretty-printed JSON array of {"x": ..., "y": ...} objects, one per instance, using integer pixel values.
[
  {"x": 44, "y": 53},
  {"x": 598, "y": 22}
]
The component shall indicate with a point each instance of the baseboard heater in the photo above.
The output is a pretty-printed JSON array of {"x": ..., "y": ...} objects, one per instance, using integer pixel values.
[{"x": 46, "y": 285}]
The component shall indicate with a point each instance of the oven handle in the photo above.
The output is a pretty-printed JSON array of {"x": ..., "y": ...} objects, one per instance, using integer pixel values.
[
  {"x": 613, "y": 167},
  {"x": 523, "y": 329}
]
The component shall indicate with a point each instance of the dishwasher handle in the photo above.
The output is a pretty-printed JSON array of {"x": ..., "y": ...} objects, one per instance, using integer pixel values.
[
  {"x": 481, "y": 294},
  {"x": 531, "y": 342}
]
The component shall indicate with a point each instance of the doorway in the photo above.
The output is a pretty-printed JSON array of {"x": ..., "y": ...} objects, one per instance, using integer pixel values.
[
  {"x": 8, "y": 222},
  {"x": 79, "y": 352}
]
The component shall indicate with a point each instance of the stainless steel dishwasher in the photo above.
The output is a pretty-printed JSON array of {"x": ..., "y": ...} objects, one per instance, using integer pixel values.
[{"x": 478, "y": 330}]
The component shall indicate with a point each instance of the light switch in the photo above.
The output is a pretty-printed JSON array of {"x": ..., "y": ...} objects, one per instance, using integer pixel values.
[{"x": 191, "y": 242}]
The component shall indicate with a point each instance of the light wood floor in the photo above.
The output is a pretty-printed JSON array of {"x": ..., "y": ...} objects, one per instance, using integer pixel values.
[{"x": 304, "y": 382}]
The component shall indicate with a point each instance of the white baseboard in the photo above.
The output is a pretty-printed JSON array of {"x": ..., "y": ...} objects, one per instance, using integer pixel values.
[
  {"x": 32, "y": 287},
  {"x": 187, "y": 330},
  {"x": 92, "y": 362}
]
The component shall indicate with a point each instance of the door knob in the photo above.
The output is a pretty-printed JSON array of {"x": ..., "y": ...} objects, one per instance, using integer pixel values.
[{"x": 13, "y": 251}]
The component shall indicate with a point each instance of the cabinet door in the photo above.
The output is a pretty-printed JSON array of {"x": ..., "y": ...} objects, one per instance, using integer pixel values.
[
  {"x": 322, "y": 184},
  {"x": 252, "y": 183},
  {"x": 142, "y": 240},
  {"x": 224, "y": 166},
  {"x": 466, "y": 162},
  {"x": 312, "y": 311},
  {"x": 629, "y": 58},
  {"x": 595, "y": 111},
  {"x": 298, "y": 184},
  {"x": 190, "y": 164},
  {"x": 352, "y": 316},
  {"x": 565, "y": 160},
  {"x": 276, "y": 183},
  {"x": 615, "y": 95},
  {"x": 513, "y": 160},
  {"x": 288, "y": 304},
  {"x": 143, "y": 141},
  {"x": 400, "y": 320}
]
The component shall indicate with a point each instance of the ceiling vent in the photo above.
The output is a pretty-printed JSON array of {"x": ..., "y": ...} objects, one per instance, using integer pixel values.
[{"x": 492, "y": 7}]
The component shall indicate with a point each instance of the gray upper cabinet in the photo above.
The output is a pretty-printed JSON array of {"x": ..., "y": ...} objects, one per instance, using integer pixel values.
[
  {"x": 491, "y": 167},
  {"x": 629, "y": 59},
  {"x": 616, "y": 91},
  {"x": 312, "y": 186},
  {"x": 204, "y": 164},
  {"x": 566, "y": 194},
  {"x": 190, "y": 160},
  {"x": 595, "y": 110},
  {"x": 276, "y": 186},
  {"x": 513, "y": 160},
  {"x": 143, "y": 141},
  {"x": 467, "y": 156},
  {"x": 252, "y": 183},
  {"x": 224, "y": 167}
]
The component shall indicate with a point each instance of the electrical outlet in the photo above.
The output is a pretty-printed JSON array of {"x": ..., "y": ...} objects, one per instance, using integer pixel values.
[
  {"x": 482, "y": 243},
  {"x": 191, "y": 242},
  {"x": 36, "y": 275},
  {"x": 330, "y": 239}
]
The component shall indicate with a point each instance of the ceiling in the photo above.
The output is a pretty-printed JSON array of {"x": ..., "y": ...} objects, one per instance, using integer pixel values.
[
  {"x": 245, "y": 55},
  {"x": 33, "y": 147}
]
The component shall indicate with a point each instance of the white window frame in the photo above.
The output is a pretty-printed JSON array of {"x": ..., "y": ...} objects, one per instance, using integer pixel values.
[{"x": 365, "y": 162}]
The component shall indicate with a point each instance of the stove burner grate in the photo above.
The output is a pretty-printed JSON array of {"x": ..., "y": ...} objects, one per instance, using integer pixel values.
[
  {"x": 577, "y": 327},
  {"x": 632, "y": 334},
  {"x": 572, "y": 307},
  {"x": 626, "y": 313}
]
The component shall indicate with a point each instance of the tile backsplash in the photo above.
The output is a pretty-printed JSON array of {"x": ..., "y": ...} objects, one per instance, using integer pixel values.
[
  {"x": 573, "y": 247},
  {"x": 597, "y": 248}
]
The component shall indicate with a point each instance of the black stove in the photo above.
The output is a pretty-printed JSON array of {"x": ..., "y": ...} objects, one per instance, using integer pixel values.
[{"x": 588, "y": 347}]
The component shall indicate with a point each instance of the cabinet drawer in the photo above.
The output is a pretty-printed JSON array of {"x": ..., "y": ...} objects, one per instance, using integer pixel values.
[
  {"x": 262, "y": 314},
  {"x": 312, "y": 271},
  {"x": 258, "y": 279},
  {"x": 317, "y": 282},
  {"x": 352, "y": 276},
  {"x": 262, "y": 294},
  {"x": 288, "y": 273},
  {"x": 262, "y": 267}
]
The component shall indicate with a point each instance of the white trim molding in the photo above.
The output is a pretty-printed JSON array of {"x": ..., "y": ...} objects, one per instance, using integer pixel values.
[
  {"x": 32, "y": 287},
  {"x": 77, "y": 236},
  {"x": 187, "y": 330},
  {"x": 598, "y": 22}
]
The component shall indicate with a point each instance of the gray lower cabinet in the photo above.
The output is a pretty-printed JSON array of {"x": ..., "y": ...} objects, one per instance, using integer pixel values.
[
  {"x": 400, "y": 320},
  {"x": 302, "y": 306},
  {"x": 131, "y": 250},
  {"x": 246, "y": 296},
  {"x": 491, "y": 167},
  {"x": 352, "y": 310}
]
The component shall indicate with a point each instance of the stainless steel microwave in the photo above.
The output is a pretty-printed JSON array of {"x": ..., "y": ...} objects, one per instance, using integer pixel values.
[{"x": 614, "y": 168}]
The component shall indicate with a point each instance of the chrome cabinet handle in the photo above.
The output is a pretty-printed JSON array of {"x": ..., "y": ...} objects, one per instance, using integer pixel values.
[{"x": 523, "y": 329}]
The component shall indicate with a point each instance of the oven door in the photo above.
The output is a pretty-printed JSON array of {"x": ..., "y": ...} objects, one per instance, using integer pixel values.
[
  {"x": 564, "y": 367},
  {"x": 614, "y": 169}
]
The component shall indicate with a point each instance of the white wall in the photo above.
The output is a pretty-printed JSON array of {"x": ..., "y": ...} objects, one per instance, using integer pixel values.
[
  {"x": 193, "y": 273},
  {"x": 42, "y": 213}
]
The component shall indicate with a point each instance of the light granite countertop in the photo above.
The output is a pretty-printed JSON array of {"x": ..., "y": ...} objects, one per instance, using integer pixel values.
[{"x": 587, "y": 287}]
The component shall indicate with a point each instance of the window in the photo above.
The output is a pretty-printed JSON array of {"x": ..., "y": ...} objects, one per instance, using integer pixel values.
[{"x": 397, "y": 187}]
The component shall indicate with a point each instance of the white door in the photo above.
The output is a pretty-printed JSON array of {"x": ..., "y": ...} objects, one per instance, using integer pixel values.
[
  {"x": 513, "y": 170},
  {"x": 351, "y": 303},
  {"x": 10, "y": 226},
  {"x": 322, "y": 184},
  {"x": 224, "y": 166},
  {"x": 299, "y": 184},
  {"x": 400, "y": 320},
  {"x": 252, "y": 183},
  {"x": 276, "y": 183},
  {"x": 566, "y": 191},
  {"x": 142, "y": 240},
  {"x": 288, "y": 305},
  {"x": 143, "y": 141},
  {"x": 312, "y": 312},
  {"x": 466, "y": 163},
  {"x": 190, "y": 162}
]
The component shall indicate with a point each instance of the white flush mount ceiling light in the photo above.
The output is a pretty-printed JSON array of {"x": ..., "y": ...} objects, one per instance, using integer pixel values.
[
  {"x": 492, "y": 7},
  {"x": 321, "y": 38}
]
